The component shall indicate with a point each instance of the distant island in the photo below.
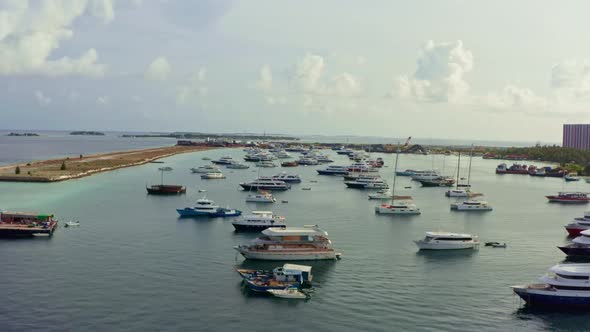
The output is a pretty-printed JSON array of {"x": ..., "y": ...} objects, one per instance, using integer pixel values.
[
  {"x": 183, "y": 135},
  {"x": 88, "y": 133},
  {"x": 23, "y": 134}
]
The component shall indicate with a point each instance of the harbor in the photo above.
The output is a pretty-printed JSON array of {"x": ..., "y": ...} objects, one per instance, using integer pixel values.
[{"x": 150, "y": 241}]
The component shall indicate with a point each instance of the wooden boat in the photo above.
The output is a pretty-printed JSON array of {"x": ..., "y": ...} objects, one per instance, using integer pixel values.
[{"x": 165, "y": 189}]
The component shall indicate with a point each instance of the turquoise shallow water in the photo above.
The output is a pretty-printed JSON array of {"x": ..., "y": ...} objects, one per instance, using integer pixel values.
[{"x": 134, "y": 266}]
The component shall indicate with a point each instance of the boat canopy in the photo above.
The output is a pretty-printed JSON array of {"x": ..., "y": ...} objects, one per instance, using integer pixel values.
[
  {"x": 571, "y": 269},
  {"x": 447, "y": 235},
  {"x": 288, "y": 231}
]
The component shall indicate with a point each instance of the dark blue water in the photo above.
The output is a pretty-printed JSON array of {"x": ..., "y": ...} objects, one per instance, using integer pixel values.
[{"x": 134, "y": 266}]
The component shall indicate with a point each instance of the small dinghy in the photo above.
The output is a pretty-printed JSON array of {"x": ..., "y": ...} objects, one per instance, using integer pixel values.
[
  {"x": 72, "y": 223},
  {"x": 306, "y": 188},
  {"x": 202, "y": 190},
  {"x": 287, "y": 293},
  {"x": 495, "y": 244}
]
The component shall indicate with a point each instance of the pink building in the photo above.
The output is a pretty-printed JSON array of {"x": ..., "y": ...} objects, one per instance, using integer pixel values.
[{"x": 576, "y": 136}]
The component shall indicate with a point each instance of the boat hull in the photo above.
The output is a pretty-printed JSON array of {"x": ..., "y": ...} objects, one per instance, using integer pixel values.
[
  {"x": 193, "y": 213},
  {"x": 575, "y": 230},
  {"x": 287, "y": 256},
  {"x": 556, "y": 199},
  {"x": 166, "y": 190},
  {"x": 445, "y": 246},
  {"x": 551, "y": 299},
  {"x": 575, "y": 251},
  {"x": 252, "y": 228},
  {"x": 337, "y": 173},
  {"x": 456, "y": 207},
  {"x": 405, "y": 211}
]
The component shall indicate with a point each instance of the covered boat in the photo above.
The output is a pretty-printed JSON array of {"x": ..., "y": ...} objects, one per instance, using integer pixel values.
[
  {"x": 569, "y": 197},
  {"x": 289, "y": 275}
]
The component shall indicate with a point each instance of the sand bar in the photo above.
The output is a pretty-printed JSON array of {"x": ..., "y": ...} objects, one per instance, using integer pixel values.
[{"x": 77, "y": 167}]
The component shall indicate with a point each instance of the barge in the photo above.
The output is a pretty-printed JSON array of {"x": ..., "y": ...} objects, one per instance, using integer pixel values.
[{"x": 22, "y": 224}]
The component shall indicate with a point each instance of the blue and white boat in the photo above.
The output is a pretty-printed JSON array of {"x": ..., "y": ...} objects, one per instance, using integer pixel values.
[
  {"x": 333, "y": 170},
  {"x": 289, "y": 275},
  {"x": 207, "y": 208},
  {"x": 565, "y": 286},
  {"x": 408, "y": 172}
]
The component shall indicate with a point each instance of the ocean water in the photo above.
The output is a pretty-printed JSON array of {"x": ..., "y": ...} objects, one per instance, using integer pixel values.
[{"x": 133, "y": 265}]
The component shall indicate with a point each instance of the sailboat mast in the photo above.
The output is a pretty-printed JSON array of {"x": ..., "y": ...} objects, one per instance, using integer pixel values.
[
  {"x": 162, "y": 176},
  {"x": 469, "y": 173},
  {"x": 458, "y": 169},
  {"x": 394, "y": 174}
]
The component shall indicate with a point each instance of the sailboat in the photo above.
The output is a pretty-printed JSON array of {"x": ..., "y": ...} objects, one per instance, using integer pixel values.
[
  {"x": 165, "y": 189},
  {"x": 400, "y": 206},
  {"x": 463, "y": 192},
  {"x": 470, "y": 204}
]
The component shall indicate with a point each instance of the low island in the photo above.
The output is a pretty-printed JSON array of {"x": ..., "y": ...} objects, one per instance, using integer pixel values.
[
  {"x": 23, "y": 134},
  {"x": 87, "y": 133}
]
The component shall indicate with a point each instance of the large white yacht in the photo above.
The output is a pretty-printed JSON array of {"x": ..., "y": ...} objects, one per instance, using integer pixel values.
[
  {"x": 398, "y": 207},
  {"x": 261, "y": 197},
  {"x": 223, "y": 160},
  {"x": 447, "y": 241},
  {"x": 258, "y": 220},
  {"x": 425, "y": 175},
  {"x": 333, "y": 170},
  {"x": 472, "y": 205},
  {"x": 265, "y": 184},
  {"x": 282, "y": 154},
  {"x": 566, "y": 285},
  {"x": 265, "y": 163},
  {"x": 367, "y": 183},
  {"x": 206, "y": 169},
  {"x": 289, "y": 178},
  {"x": 290, "y": 243}
]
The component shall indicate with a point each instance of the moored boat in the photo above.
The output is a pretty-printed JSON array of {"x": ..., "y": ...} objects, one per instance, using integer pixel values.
[
  {"x": 333, "y": 170},
  {"x": 206, "y": 169},
  {"x": 212, "y": 176},
  {"x": 288, "y": 293},
  {"x": 290, "y": 164},
  {"x": 223, "y": 160},
  {"x": 580, "y": 246},
  {"x": 23, "y": 224},
  {"x": 288, "y": 178},
  {"x": 569, "y": 197},
  {"x": 471, "y": 205},
  {"x": 165, "y": 189},
  {"x": 447, "y": 241},
  {"x": 514, "y": 169},
  {"x": 579, "y": 224},
  {"x": 571, "y": 177},
  {"x": 258, "y": 221},
  {"x": 261, "y": 197},
  {"x": 265, "y": 184},
  {"x": 280, "y": 278},
  {"x": 440, "y": 181},
  {"x": 207, "y": 208}
]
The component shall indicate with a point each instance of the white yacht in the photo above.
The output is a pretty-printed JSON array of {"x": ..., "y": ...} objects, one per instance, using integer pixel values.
[
  {"x": 265, "y": 184},
  {"x": 212, "y": 176},
  {"x": 289, "y": 178},
  {"x": 425, "y": 175},
  {"x": 472, "y": 205},
  {"x": 457, "y": 193},
  {"x": 566, "y": 285},
  {"x": 398, "y": 207},
  {"x": 282, "y": 154},
  {"x": 308, "y": 161},
  {"x": 203, "y": 207},
  {"x": 258, "y": 221},
  {"x": 206, "y": 169},
  {"x": 265, "y": 163},
  {"x": 237, "y": 165},
  {"x": 261, "y": 197},
  {"x": 579, "y": 224},
  {"x": 333, "y": 170},
  {"x": 223, "y": 160},
  {"x": 361, "y": 167},
  {"x": 290, "y": 243},
  {"x": 367, "y": 183},
  {"x": 447, "y": 241}
]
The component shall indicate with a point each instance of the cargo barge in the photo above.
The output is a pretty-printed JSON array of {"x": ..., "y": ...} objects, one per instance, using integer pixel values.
[{"x": 21, "y": 224}]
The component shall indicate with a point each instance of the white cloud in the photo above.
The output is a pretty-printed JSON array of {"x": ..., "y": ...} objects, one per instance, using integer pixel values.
[
  {"x": 308, "y": 73},
  {"x": 264, "y": 83},
  {"x": 73, "y": 96},
  {"x": 571, "y": 79},
  {"x": 30, "y": 31},
  {"x": 440, "y": 74},
  {"x": 42, "y": 99},
  {"x": 345, "y": 85},
  {"x": 516, "y": 97},
  {"x": 158, "y": 70},
  {"x": 103, "y": 100},
  {"x": 193, "y": 89}
]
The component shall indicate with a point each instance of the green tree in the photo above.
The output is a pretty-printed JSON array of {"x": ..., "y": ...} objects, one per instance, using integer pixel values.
[
  {"x": 17, "y": 170},
  {"x": 63, "y": 165}
]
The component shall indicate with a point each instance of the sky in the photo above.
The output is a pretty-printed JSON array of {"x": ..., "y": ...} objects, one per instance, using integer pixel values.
[{"x": 453, "y": 69}]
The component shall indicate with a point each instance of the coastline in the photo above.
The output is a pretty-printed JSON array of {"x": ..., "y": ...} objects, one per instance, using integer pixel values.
[{"x": 76, "y": 167}]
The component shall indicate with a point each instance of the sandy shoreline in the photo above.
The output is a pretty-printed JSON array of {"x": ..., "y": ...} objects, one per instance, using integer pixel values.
[{"x": 76, "y": 167}]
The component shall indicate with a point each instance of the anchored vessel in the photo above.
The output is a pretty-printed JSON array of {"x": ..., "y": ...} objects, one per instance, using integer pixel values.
[
  {"x": 447, "y": 241},
  {"x": 472, "y": 205},
  {"x": 206, "y": 169},
  {"x": 223, "y": 161},
  {"x": 23, "y": 224},
  {"x": 261, "y": 197},
  {"x": 579, "y": 224},
  {"x": 566, "y": 285},
  {"x": 289, "y": 275},
  {"x": 207, "y": 208},
  {"x": 258, "y": 221},
  {"x": 569, "y": 197},
  {"x": 333, "y": 170},
  {"x": 165, "y": 189},
  {"x": 265, "y": 184},
  {"x": 289, "y": 178},
  {"x": 580, "y": 246},
  {"x": 290, "y": 243}
]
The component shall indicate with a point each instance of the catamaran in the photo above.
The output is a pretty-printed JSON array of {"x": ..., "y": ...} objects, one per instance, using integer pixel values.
[{"x": 397, "y": 207}]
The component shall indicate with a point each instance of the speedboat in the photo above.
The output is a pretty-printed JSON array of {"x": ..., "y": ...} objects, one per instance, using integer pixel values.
[
  {"x": 289, "y": 178},
  {"x": 206, "y": 169},
  {"x": 398, "y": 207},
  {"x": 265, "y": 184},
  {"x": 580, "y": 246},
  {"x": 471, "y": 205},
  {"x": 579, "y": 224},
  {"x": 287, "y": 276},
  {"x": 237, "y": 165},
  {"x": 572, "y": 177},
  {"x": 265, "y": 163},
  {"x": 333, "y": 170},
  {"x": 565, "y": 286},
  {"x": 72, "y": 223},
  {"x": 211, "y": 176},
  {"x": 258, "y": 221},
  {"x": 290, "y": 243},
  {"x": 288, "y": 293},
  {"x": 261, "y": 197},
  {"x": 569, "y": 197},
  {"x": 223, "y": 161},
  {"x": 447, "y": 241}
]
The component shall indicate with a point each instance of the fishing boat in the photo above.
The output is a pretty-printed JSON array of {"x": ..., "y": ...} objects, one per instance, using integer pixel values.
[
  {"x": 406, "y": 207},
  {"x": 579, "y": 224},
  {"x": 580, "y": 246},
  {"x": 25, "y": 224},
  {"x": 290, "y": 243},
  {"x": 447, "y": 241},
  {"x": 288, "y": 293},
  {"x": 471, "y": 205},
  {"x": 569, "y": 197},
  {"x": 261, "y": 197},
  {"x": 565, "y": 286},
  {"x": 165, "y": 189},
  {"x": 206, "y": 169},
  {"x": 212, "y": 176},
  {"x": 258, "y": 221},
  {"x": 280, "y": 278}
]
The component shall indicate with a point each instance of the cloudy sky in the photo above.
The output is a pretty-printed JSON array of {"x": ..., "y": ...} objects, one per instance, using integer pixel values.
[{"x": 461, "y": 69}]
